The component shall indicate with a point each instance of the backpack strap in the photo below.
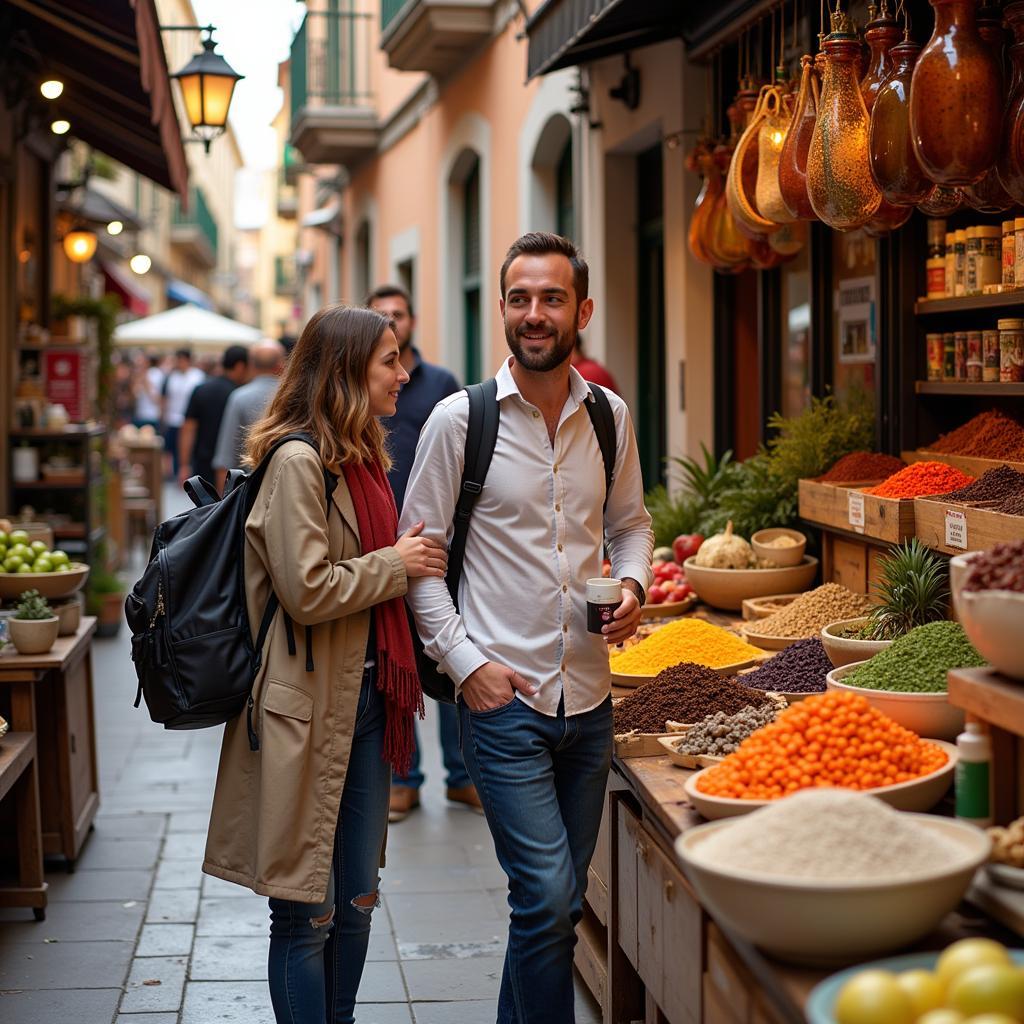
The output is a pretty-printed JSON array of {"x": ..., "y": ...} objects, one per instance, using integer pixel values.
[
  {"x": 201, "y": 491},
  {"x": 603, "y": 420},
  {"x": 481, "y": 436}
]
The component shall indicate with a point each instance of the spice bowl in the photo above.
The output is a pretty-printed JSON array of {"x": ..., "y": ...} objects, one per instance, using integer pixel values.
[
  {"x": 729, "y": 588},
  {"x": 823, "y": 922},
  {"x": 783, "y": 557},
  {"x": 959, "y": 570},
  {"x": 842, "y": 650},
  {"x": 927, "y": 714},
  {"x": 993, "y": 621}
]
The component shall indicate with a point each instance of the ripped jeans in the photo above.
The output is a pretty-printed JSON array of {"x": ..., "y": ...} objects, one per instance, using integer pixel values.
[{"x": 317, "y": 950}]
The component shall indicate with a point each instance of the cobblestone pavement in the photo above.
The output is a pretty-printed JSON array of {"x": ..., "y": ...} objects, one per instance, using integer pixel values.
[{"x": 138, "y": 935}]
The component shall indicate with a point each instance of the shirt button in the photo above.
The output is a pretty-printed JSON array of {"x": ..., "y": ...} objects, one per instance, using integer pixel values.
[
  {"x": 563, "y": 666},
  {"x": 565, "y": 589},
  {"x": 559, "y": 547},
  {"x": 554, "y": 468},
  {"x": 536, "y": 415},
  {"x": 558, "y": 508},
  {"x": 565, "y": 629}
]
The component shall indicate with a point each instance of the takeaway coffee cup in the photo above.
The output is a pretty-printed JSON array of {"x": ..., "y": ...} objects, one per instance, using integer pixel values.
[{"x": 603, "y": 597}]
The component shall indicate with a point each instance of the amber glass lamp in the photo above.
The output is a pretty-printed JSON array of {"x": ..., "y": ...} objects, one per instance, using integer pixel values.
[{"x": 793, "y": 158}]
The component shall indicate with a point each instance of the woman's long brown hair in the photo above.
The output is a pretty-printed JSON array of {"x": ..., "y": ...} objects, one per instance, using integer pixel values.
[{"x": 323, "y": 391}]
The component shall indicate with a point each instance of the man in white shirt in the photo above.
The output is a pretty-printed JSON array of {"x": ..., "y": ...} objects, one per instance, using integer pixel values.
[
  {"x": 533, "y": 684},
  {"x": 178, "y": 386}
]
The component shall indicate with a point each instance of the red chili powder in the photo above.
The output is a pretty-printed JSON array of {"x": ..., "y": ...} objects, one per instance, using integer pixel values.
[
  {"x": 989, "y": 435},
  {"x": 860, "y": 466},
  {"x": 922, "y": 478}
]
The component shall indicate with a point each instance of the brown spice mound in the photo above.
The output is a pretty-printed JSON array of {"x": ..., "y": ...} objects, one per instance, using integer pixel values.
[
  {"x": 810, "y": 613},
  {"x": 993, "y": 485},
  {"x": 683, "y": 693},
  {"x": 989, "y": 435},
  {"x": 859, "y": 467}
]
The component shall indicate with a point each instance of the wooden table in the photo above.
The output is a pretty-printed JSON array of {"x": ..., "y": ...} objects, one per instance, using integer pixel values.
[
  {"x": 20, "y": 781},
  {"x": 149, "y": 455},
  {"x": 51, "y": 696}
]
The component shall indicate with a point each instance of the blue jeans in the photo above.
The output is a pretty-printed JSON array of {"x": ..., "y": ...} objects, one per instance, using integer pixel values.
[
  {"x": 454, "y": 766},
  {"x": 317, "y": 950},
  {"x": 542, "y": 782}
]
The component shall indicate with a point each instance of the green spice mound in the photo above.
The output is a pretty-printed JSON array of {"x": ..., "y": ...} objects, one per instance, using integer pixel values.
[{"x": 918, "y": 661}]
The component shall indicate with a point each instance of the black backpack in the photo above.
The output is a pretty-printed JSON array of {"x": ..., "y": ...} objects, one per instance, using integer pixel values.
[
  {"x": 192, "y": 646},
  {"x": 481, "y": 435}
]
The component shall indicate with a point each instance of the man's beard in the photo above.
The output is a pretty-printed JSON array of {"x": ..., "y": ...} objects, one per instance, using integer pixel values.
[{"x": 544, "y": 361}]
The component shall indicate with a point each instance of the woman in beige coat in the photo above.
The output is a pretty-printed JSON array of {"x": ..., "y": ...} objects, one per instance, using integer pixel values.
[{"x": 303, "y": 818}]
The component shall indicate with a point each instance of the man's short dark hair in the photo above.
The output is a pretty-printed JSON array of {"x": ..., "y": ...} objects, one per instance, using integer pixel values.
[
  {"x": 390, "y": 291},
  {"x": 233, "y": 355},
  {"x": 544, "y": 243},
  {"x": 183, "y": 353}
]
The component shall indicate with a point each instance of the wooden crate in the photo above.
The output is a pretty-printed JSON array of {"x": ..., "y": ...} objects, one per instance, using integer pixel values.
[
  {"x": 965, "y": 463},
  {"x": 842, "y": 507},
  {"x": 954, "y": 529}
]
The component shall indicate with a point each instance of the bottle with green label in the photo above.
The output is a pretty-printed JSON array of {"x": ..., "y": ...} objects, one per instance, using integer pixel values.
[{"x": 973, "y": 770}]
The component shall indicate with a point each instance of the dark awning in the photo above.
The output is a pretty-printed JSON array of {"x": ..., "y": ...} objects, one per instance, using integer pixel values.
[
  {"x": 94, "y": 206},
  {"x": 564, "y": 33},
  {"x": 117, "y": 94}
]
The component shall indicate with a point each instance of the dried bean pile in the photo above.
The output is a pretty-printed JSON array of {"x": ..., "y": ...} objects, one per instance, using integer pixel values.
[
  {"x": 993, "y": 485},
  {"x": 989, "y": 435},
  {"x": 682, "y": 693},
  {"x": 810, "y": 613},
  {"x": 720, "y": 734},
  {"x": 800, "y": 668},
  {"x": 1000, "y": 568}
]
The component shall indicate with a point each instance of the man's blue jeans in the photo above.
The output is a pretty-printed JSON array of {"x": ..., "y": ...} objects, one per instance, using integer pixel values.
[
  {"x": 454, "y": 766},
  {"x": 542, "y": 783},
  {"x": 317, "y": 950}
]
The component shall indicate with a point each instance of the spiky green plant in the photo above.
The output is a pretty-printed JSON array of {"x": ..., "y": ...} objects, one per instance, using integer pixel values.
[
  {"x": 913, "y": 589},
  {"x": 705, "y": 481},
  {"x": 32, "y": 605},
  {"x": 671, "y": 514}
]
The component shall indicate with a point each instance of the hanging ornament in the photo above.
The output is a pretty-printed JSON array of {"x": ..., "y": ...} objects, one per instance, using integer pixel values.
[
  {"x": 1010, "y": 166},
  {"x": 839, "y": 183},
  {"x": 790, "y": 238},
  {"x": 894, "y": 163},
  {"x": 741, "y": 183},
  {"x": 702, "y": 162},
  {"x": 771, "y": 137},
  {"x": 941, "y": 201},
  {"x": 793, "y": 158},
  {"x": 725, "y": 244},
  {"x": 955, "y": 98}
]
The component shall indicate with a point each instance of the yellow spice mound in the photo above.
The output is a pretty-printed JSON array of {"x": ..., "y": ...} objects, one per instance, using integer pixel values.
[{"x": 683, "y": 640}]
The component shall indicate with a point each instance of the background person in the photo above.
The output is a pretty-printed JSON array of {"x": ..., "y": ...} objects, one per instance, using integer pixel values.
[
  {"x": 147, "y": 385},
  {"x": 177, "y": 389},
  {"x": 198, "y": 437},
  {"x": 302, "y": 819},
  {"x": 245, "y": 405},
  {"x": 426, "y": 386}
]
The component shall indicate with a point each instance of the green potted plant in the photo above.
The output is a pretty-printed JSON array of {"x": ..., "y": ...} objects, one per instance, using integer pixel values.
[
  {"x": 105, "y": 600},
  {"x": 33, "y": 627}
]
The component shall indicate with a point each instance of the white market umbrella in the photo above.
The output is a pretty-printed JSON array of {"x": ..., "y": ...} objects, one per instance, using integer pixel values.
[{"x": 186, "y": 326}]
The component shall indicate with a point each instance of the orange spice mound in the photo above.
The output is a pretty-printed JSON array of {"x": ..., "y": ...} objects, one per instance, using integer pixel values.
[
  {"x": 831, "y": 739},
  {"x": 920, "y": 478}
]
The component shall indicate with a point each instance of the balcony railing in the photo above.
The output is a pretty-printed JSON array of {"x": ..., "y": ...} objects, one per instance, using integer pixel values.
[
  {"x": 195, "y": 226},
  {"x": 388, "y": 10},
  {"x": 330, "y": 61}
]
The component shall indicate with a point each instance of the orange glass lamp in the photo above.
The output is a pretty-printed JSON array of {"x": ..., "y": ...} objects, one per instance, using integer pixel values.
[
  {"x": 207, "y": 85},
  {"x": 80, "y": 245}
]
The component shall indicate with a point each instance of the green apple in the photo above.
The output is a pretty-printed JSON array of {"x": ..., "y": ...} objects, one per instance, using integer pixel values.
[
  {"x": 19, "y": 537},
  {"x": 42, "y": 564},
  {"x": 62, "y": 567},
  {"x": 21, "y": 550},
  {"x": 11, "y": 563},
  {"x": 25, "y": 567},
  {"x": 3, "y": 537},
  {"x": 3, "y": 552},
  {"x": 38, "y": 547},
  {"x": 59, "y": 557}
]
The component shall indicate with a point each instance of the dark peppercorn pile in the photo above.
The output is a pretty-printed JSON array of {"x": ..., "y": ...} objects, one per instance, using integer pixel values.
[
  {"x": 800, "y": 668},
  {"x": 993, "y": 485},
  {"x": 682, "y": 693}
]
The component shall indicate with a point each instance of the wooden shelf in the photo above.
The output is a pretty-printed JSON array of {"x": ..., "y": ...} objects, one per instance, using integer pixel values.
[
  {"x": 72, "y": 430},
  {"x": 991, "y": 389},
  {"x": 966, "y": 303},
  {"x": 45, "y": 485},
  {"x": 987, "y": 695}
]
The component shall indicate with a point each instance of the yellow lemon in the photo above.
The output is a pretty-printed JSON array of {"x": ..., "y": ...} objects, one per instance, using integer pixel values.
[
  {"x": 968, "y": 953},
  {"x": 925, "y": 990},
  {"x": 991, "y": 988},
  {"x": 873, "y": 997}
]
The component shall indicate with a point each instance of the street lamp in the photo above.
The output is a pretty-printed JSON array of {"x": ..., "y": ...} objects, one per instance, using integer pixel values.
[
  {"x": 80, "y": 245},
  {"x": 207, "y": 83}
]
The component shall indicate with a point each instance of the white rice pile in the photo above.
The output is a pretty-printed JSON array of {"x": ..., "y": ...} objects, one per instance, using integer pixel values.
[{"x": 834, "y": 834}]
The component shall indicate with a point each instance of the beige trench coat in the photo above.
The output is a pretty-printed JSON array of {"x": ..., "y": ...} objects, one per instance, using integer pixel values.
[{"x": 275, "y": 810}]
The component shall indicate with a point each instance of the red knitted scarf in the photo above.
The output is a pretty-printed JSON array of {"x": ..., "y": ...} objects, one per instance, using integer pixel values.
[{"x": 397, "y": 677}]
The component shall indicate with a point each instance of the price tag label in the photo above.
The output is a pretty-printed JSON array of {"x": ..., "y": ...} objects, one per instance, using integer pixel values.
[
  {"x": 956, "y": 529},
  {"x": 855, "y": 510}
]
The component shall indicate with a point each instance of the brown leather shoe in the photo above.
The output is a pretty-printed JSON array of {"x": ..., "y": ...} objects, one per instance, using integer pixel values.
[
  {"x": 403, "y": 800},
  {"x": 465, "y": 795}
]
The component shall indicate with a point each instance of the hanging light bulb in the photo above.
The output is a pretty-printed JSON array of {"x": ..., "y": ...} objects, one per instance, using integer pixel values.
[
  {"x": 140, "y": 263},
  {"x": 60, "y": 126},
  {"x": 115, "y": 227},
  {"x": 777, "y": 121},
  {"x": 80, "y": 245},
  {"x": 839, "y": 183},
  {"x": 51, "y": 89}
]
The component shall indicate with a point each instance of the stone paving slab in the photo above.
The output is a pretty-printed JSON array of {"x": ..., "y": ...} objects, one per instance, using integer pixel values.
[
  {"x": 188, "y": 846},
  {"x": 59, "y": 965},
  {"x": 75, "y": 922},
  {"x": 128, "y": 826},
  {"x": 115, "y": 854},
  {"x": 436, "y": 980},
  {"x": 155, "y": 984},
  {"x": 166, "y": 940},
  {"x": 234, "y": 917},
  {"x": 229, "y": 958},
  {"x": 94, "y": 886},
  {"x": 84, "y": 1006},
  {"x": 227, "y": 1002},
  {"x": 173, "y": 906},
  {"x": 470, "y": 917},
  {"x": 147, "y": 1018}
]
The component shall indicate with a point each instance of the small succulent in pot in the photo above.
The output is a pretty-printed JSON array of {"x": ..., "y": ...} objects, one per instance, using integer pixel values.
[
  {"x": 33, "y": 606},
  {"x": 34, "y": 626}
]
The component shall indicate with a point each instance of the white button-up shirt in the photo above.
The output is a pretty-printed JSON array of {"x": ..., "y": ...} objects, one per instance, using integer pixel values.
[{"x": 535, "y": 537}]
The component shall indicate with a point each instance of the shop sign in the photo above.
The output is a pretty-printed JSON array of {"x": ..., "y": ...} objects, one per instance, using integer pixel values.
[
  {"x": 65, "y": 375},
  {"x": 855, "y": 510},
  {"x": 956, "y": 529}
]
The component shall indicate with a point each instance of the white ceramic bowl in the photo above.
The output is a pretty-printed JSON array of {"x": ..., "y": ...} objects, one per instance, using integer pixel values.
[
  {"x": 927, "y": 714},
  {"x": 729, "y": 588},
  {"x": 842, "y": 650},
  {"x": 959, "y": 570},
  {"x": 827, "y": 923},
  {"x": 920, "y": 794},
  {"x": 782, "y": 557},
  {"x": 994, "y": 622}
]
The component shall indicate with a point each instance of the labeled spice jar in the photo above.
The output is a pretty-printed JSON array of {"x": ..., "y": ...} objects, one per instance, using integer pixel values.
[
  {"x": 960, "y": 354},
  {"x": 936, "y": 277},
  {"x": 1009, "y": 253},
  {"x": 974, "y": 357},
  {"x": 948, "y": 356},
  {"x": 1018, "y": 251},
  {"x": 990, "y": 356},
  {"x": 973, "y": 251},
  {"x": 960, "y": 253},
  {"x": 1011, "y": 351},
  {"x": 934, "y": 342},
  {"x": 988, "y": 257},
  {"x": 950, "y": 260}
]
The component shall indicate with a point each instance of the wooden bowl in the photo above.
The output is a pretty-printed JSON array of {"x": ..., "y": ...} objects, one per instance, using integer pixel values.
[
  {"x": 920, "y": 794},
  {"x": 766, "y": 642},
  {"x": 668, "y": 609},
  {"x": 49, "y": 584},
  {"x": 729, "y": 588},
  {"x": 782, "y": 557},
  {"x": 761, "y": 607}
]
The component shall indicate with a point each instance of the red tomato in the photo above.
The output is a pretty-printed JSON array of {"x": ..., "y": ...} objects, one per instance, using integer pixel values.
[
  {"x": 685, "y": 545},
  {"x": 656, "y": 595}
]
